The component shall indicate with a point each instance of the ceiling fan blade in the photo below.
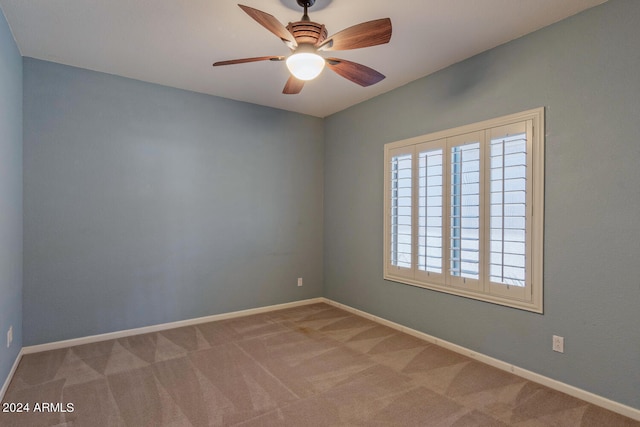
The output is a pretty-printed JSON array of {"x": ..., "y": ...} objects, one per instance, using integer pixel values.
[
  {"x": 245, "y": 60},
  {"x": 293, "y": 86},
  {"x": 370, "y": 33},
  {"x": 271, "y": 24},
  {"x": 357, "y": 73}
]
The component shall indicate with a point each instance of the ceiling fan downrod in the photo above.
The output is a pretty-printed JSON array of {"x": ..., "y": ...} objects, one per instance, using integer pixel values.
[{"x": 306, "y": 4}]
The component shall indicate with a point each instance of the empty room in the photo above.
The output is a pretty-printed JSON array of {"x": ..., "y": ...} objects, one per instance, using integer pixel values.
[{"x": 320, "y": 213}]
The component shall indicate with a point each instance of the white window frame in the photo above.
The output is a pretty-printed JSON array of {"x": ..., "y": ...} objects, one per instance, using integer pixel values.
[{"x": 528, "y": 297}]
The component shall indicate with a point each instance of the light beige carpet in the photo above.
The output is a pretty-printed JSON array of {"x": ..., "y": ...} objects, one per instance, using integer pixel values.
[{"x": 307, "y": 366}]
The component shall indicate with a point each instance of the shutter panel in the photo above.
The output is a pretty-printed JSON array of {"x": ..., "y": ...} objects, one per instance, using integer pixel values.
[
  {"x": 430, "y": 210},
  {"x": 509, "y": 223},
  {"x": 508, "y": 209},
  {"x": 464, "y": 211},
  {"x": 400, "y": 210}
]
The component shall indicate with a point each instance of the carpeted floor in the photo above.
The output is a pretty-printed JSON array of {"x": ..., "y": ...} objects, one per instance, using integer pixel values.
[{"x": 313, "y": 365}]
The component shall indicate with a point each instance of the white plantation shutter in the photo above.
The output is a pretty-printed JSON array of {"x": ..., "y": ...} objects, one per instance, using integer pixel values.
[{"x": 464, "y": 210}]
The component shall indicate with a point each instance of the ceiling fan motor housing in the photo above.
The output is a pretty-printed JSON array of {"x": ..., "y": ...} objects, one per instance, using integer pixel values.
[{"x": 307, "y": 32}]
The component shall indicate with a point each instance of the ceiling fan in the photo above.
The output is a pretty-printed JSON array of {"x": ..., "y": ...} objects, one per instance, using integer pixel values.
[{"x": 306, "y": 38}]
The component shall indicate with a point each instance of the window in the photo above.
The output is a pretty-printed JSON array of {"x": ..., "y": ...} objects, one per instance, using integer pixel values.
[{"x": 464, "y": 210}]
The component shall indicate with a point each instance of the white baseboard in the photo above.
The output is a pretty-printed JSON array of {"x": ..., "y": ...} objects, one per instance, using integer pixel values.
[
  {"x": 587, "y": 396},
  {"x": 164, "y": 326},
  {"x": 5, "y": 386}
]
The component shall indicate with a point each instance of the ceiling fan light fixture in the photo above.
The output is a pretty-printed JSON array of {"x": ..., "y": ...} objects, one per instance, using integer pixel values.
[
  {"x": 306, "y": 38},
  {"x": 305, "y": 65}
]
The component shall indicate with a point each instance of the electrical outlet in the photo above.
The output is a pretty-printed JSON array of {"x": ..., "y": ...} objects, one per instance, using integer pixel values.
[
  {"x": 299, "y": 281},
  {"x": 558, "y": 344},
  {"x": 9, "y": 336}
]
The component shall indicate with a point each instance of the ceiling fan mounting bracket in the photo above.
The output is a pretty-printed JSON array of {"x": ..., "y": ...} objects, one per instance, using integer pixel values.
[{"x": 306, "y": 3}]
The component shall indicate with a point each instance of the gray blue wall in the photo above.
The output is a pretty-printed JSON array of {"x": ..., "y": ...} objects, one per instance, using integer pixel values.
[
  {"x": 146, "y": 204},
  {"x": 585, "y": 71},
  {"x": 10, "y": 198}
]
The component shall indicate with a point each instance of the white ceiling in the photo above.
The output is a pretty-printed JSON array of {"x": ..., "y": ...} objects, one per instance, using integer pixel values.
[{"x": 174, "y": 42}]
